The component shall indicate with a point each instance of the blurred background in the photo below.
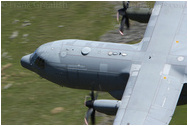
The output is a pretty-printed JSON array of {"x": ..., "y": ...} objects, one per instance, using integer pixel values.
[{"x": 26, "y": 99}]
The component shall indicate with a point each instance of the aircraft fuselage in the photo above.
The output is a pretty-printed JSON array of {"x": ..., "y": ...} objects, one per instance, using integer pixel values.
[{"x": 83, "y": 64}]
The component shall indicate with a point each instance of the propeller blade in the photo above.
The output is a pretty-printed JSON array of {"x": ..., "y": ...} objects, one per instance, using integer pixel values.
[
  {"x": 118, "y": 17},
  {"x": 127, "y": 22},
  {"x": 121, "y": 11},
  {"x": 127, "y": 4},
  {"x": 96, "y": 96},
  {"x": 93, "y": 117},
  {"x": 121, "y": 33},
  {"x": 92, "y": 95},
  {"x": 125, "y": 18},
  {"x": 88, "y": 114},
  {"x": 86, "y": 121},
  {"x": 124, "y": 6},
  {"x": 91, "y": 111},
  {"x": 121, "y": 29}
]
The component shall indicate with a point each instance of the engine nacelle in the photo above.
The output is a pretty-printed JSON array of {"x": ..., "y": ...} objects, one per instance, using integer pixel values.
[
  {"x": 139, "y": 14},
  {"x": 108, "y": 107}
]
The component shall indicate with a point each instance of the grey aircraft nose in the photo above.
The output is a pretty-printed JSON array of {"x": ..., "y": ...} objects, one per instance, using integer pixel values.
[{"x": 25, "y": 62}]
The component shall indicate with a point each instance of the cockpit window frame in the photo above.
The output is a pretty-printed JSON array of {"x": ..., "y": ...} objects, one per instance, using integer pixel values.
[
  {"x": 33, "y": 58},
  {"x": 37, "y": 60}
]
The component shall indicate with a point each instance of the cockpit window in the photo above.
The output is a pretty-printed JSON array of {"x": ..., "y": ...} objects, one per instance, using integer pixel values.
[
  {"x": 40, "y": 62},
  {"x": 37, "y": 60}
]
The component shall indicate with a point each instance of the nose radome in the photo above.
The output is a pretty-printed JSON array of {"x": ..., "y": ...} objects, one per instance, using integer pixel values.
[{"x": 25, "y": 62}]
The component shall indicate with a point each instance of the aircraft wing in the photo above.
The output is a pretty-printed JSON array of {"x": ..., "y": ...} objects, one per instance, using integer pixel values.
[{"x": 155, "y": 83}]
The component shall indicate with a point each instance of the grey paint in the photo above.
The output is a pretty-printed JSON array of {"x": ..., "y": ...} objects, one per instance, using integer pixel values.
[
  {"x": 109, "y": 107},
  {"x": 151, "y": 96},
  {"x": 66, "y": 65},
  {"x": 150, "y": 73}
]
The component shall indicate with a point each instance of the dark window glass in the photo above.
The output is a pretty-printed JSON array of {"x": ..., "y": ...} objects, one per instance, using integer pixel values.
[{"x": 40, "y": 62}]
